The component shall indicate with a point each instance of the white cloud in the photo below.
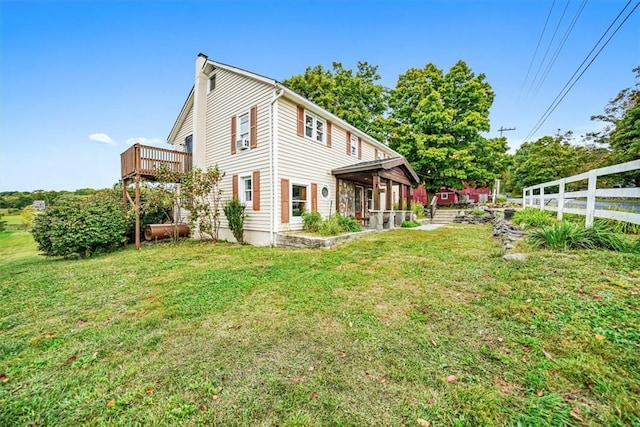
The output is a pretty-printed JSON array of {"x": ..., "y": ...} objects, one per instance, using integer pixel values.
[
  {"x": 102, "y": 137},
  {"x": 146, "y": 141}
]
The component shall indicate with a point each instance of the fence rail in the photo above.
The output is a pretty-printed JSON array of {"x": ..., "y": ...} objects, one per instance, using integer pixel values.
[{"x": 542, "y": 199}]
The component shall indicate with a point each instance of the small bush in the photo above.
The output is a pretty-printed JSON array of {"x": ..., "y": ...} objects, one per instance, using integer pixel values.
[
  {"x": 81, "y": 227},
  {"x": 478, "y": 212},
  {"x": 567, "y": 235},
  {"x": 410, "y": 224},
  {"x": 28, "y": 215},
  {"x": 531, "y": 217},
  {"x": 348, "y": 225},
  {"x": 311, "y": 221},
  {"x": 418, "y": 209},
  {"x": 235, "y": 213},
  {"x": 500, "y": 200}
]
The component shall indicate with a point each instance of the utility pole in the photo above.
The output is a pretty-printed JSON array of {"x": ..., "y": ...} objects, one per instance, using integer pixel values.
[{"x": 504, "y": 129}]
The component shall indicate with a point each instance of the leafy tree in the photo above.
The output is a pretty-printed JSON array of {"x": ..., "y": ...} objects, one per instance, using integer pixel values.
[
  {"x": 550, "y": 158},
  {"x": 356, "y": 97},
  {"x": 622, "y": 130},
  {"x": 436, "y": 123},
  {"x": 200, "y": 193}
]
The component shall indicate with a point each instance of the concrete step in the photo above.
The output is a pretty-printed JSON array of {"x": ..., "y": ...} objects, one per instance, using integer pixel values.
[{"x": 444, "y": 217}]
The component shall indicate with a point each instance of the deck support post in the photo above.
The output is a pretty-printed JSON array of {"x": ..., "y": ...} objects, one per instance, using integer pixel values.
[{"x": 137, "y": 208}]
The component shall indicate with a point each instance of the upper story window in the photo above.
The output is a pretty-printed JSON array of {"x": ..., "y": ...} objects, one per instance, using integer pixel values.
[
  {"x": 380, "y": 155},
  {"x": 354, "y": 145},
  {"x": 314, "y": 127},
  {"x": 212, "y": 83},
  {"x": 247, "y": 189},
  {"x": 243, "y": 126}
]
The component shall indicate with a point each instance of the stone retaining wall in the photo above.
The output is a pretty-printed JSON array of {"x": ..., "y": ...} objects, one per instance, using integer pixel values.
[{"x": 297, "y": 240}]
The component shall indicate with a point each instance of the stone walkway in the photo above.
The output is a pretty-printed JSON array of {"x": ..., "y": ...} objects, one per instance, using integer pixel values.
[{"x": 428, "y": 227}]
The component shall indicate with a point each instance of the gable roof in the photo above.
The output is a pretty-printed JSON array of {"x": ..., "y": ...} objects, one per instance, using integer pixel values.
[
  {"x": 288, "y": 93},
  {"x": 399, "y": 164}
]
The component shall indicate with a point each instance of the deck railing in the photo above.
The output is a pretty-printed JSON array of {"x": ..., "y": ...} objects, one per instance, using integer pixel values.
[
  {"x": 538, "y": 195},
  {"x": 144, "y": 160}
]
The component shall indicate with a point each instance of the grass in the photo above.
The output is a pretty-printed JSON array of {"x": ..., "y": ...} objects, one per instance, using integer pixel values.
[
  {"x": 363, "y": 334},
  {"x": 12, "y": 219}
]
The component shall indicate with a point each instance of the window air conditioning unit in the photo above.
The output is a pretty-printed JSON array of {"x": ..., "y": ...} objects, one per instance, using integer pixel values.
[{"x": 242, "y": 144}]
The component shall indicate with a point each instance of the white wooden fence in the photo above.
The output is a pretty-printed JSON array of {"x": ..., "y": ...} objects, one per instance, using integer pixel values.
[{"x": 535, "y": 196}]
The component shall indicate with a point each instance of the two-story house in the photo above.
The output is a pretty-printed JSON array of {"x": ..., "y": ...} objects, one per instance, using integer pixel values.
[{"x": 284, "y": 155}]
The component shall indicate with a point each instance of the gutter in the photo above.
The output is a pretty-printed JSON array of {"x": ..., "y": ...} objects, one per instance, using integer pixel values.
[{"x": 273, "y": 165}]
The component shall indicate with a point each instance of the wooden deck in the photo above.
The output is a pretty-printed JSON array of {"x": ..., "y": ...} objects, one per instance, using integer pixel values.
[{"x": 143, "y": 161}]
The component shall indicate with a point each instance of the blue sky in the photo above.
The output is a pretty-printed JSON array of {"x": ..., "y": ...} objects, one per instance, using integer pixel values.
[{"x": 80, "y": 80}]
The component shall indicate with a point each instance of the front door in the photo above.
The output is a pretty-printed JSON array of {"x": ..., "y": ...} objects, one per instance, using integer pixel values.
[{"x": 360, "y": 201}]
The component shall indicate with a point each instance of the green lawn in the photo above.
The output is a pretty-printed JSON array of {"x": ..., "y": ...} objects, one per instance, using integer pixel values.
[
  {"x": 12, "y": 219},
  {"x": 364, "y": 334}
]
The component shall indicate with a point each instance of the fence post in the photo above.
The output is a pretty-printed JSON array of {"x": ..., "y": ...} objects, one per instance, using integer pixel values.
[
  {"x": 591, "y": 198},
  {"x": 541, "y": 198},
  {"x": 524, "y": 198},
  {"x": 531, "y": 197},
  {"x": 561, "y": 199}
]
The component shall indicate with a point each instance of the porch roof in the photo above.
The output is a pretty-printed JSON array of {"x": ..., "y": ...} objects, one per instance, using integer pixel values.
[{"x": 396, "y": 169}]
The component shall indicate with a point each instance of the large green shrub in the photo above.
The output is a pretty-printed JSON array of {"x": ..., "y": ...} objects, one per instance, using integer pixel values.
[
  {"x": 81, "y": 227},
  {"x": 311, "y": 221},
  {"x": 235, "y": 213}
]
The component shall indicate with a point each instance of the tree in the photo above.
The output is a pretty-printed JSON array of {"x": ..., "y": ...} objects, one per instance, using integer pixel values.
[
  {"x": 622, "y": 119},
  {"x": 622, "y": 128},
  {"x": 436, "y": 120},
  {"x": 550, "y": 158},
  {"x": 356, "y": 97}
]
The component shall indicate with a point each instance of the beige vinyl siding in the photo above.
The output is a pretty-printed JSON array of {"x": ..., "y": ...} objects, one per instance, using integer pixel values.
[
  {"x": 306, "y": 161},
  {"x": 185, "y": 130},
  {"x": 236, "y": 94}
]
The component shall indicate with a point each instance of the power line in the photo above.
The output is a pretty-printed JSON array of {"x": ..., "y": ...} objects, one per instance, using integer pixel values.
[
  {"x": 549, "y": 45},
  {"x": 537, "y": 47},
  {"x": 560, "y": 46},
  {"x": 569, "y": 85}
]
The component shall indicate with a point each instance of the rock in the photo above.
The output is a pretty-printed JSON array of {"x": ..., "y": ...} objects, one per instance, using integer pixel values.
[{"x": 515, "y": 257}]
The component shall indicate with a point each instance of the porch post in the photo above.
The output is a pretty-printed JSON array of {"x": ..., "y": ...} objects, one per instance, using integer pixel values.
[
  {"x": 409, "y": 196},
  {"x": 387, "y": 198},
  {"x": 376, "y": 192},
  {"x": 400, "y": 197},
  {"x": 337, "y": 196}
]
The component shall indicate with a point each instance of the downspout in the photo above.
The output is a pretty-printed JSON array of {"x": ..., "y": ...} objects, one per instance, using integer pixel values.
[{"x": 273, "y": 165}]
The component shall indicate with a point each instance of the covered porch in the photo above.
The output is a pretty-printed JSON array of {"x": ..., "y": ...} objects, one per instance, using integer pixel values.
[{"x": 377, "y": 192}]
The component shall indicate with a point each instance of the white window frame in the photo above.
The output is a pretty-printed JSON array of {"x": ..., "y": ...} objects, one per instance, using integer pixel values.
[
  {"x": 211, "y": 84},
  {"x": 354, "y": 145},
  {"x": 444, "y": 196},
  {"x": 380, "y": 155},
  {"x": 315, "y": 121},
  {"x": 239, "y": 126},
  {"x": 244, "y": 179},
  {"x": 306, "y": 200}
]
